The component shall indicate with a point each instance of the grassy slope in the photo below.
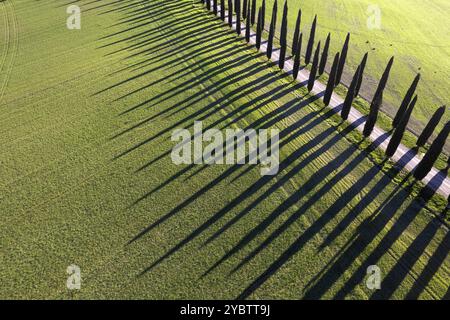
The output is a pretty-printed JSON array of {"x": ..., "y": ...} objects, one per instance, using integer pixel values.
[
  {"x": 413, "y": 31},
  {"x": 80, "y": 160}
]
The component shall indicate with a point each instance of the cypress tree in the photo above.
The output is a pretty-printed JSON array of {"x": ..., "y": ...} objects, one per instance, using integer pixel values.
[
  {"x": 400, "y": 130},
  {"x": 429, "y": 128},
  {"x": 309, "y": 48},
  {"x": 272, "y": 30},
  {"x": 297, "y": 57},
  {"x": 283, "y": 36},
  {"x": 331, "y": 80},
  {"x": 214, "y": 6},
  {"x": 350, "y": 95},
  {"x": 432, "y": 154},
  {"x": 315, "y": 65},
  {"x": 343, "y": 58},
  {"x": 323, "y": 61},
  {"x": 230, "y": 13},
  {"x": 373, "y": 114},
  {"x": 296, "y": 32},
  {"x": 238, "y": 17},
  {"x": 222, "y": 10},
  {"x": 362, "y": 66},
  {"x": 208, "y": 5},
  {"x": 406, "y": 101},
  {"x": 244, "y": 9},
  {"x": 385, "y": 77},
  {"x": 253, "y": 12},
  {"x": 377, "y": 101},
  {"x": 247, "y": 25},
  {"x": 259, "y": 29}
]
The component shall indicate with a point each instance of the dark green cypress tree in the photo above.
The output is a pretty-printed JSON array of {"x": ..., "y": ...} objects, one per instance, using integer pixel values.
[
  {"x": 230, "y": 13},
  {"x": 400, "y": 130},
  {"x": 362, "y": 66},
  {"x": 296, "y": 32},
  {"x": 323, "y": 61},
  {"x": 310, "y": 46},
  {"x": 222, "y": 10},
  {"x": 244, "y": 9},
  {"x": 342, "y": 61},
  {"x": 385, "y": 76},
  {"x": 375, "y": 106},
  {"x": 429, "y": 128},
  {"x": 259, "y": 29},
  {"x": 272, "y": 30},
  {"x": 314, "y": 67},
  {"x": 432, "y": 154},
  {"x": 208, "y": 4},
  {"x": 297, "y": 57},
  {"x": 238, "y": 17},
  {"x": 247, "y": 24},
  {"x": 331, "y": 80},
  {"x": 214, "y": 7},
  {"x": 406, "y": 101},
  {"x": 253, "y": 12},
  {"x": 350, "y": 95},
  {"x": 377, "y": 101},
  {"x": 283, "y": 37}
]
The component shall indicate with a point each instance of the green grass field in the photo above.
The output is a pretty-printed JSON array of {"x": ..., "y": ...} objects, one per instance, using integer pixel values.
[
  {"x": 87, "y": 179},
  {"x": 414, "y": 31}
]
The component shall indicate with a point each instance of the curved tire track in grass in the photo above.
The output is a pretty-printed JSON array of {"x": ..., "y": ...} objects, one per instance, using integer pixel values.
[{"x": 12, "y": 44}]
